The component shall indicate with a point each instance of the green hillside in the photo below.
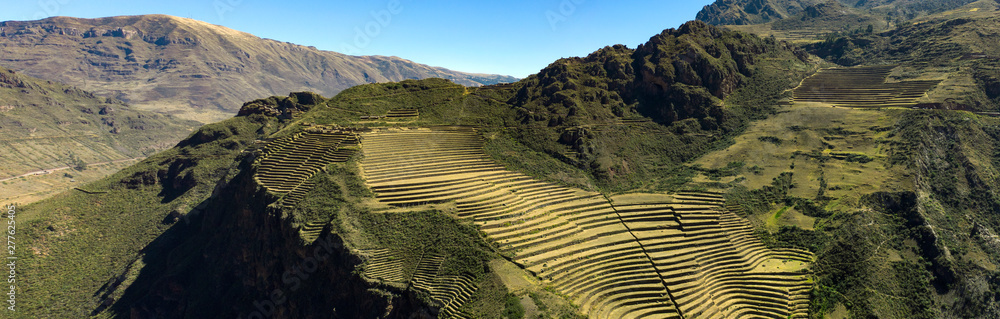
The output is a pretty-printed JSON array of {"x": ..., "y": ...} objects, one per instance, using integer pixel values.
[
  {"x": 948, "y": 42},
  {"x": 566, "y": 126},
  {"x": 895, "y": 203},
  {"x": 707, "y": 173},
  {"x": 955, "y": 47},
  {"x": 71, "y": 135},
  {"x": 746, "y": 12}
]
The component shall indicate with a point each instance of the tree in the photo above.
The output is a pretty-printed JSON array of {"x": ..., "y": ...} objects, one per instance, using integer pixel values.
[{"x": 76, "y": 162}]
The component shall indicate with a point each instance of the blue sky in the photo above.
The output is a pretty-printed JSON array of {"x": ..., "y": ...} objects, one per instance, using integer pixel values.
[{"x": 506, "y": 37}]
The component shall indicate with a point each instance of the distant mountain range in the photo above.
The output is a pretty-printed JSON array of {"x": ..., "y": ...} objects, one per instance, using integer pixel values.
[
  {"x": 192, "y": 69},
  {"x": 761, "y": 11}
]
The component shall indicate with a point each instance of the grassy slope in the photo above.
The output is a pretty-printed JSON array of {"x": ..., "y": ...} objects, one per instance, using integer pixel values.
[
  {"x": 48, "y": 125},
  {"x": 901, "y": 201},
  {"x": 954, "y": 46},
  {"x": 76, "y": 242},
  {"x": 190, "y": 68},
  {"x": 950, "y": 41},
  {"x": 101, "y": 241},
  {"x": 890, "y": 225}
]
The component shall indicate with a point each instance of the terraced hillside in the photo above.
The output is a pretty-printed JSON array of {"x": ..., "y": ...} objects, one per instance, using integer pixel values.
[
  {"x": 424, "y": 218},
  {"x": 288, "y": 163},
  {"x": 860, "y": 87},
  {"x": 449, "y": 291},
  {"x": 627, "y": 256},
  {"x": 397, "y": 114}
]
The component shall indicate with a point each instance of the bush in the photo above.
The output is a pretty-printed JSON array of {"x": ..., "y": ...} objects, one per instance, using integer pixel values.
[{"x": 513, "y": 309}]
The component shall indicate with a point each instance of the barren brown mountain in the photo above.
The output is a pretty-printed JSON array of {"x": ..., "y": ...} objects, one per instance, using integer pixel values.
[{"x": 189, "y": 68}]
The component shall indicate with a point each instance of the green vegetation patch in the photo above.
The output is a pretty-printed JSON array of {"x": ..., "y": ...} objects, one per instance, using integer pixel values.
[{"x": 76, "y": 242}]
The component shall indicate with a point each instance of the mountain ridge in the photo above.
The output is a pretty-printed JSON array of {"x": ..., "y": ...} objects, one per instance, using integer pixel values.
[
  {"x": 743, "y": 12},
  {"x": 875, "y": 209},
  {"x": 192, "y": 68},
  {"x": 186, "y": 217}
]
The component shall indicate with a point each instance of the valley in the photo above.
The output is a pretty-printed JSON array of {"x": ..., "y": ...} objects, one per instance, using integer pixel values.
[
  {"x": 50, "y": 126},
  {"x": 772, "y": 160},
  {"x": 34, "y": 186}
]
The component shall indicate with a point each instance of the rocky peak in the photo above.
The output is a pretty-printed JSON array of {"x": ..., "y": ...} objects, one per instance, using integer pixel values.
[
  {"x": 282, "y": 107},
  {"x": 829, "y": 8}
]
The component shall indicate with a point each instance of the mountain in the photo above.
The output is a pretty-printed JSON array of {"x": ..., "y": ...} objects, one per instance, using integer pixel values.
[
  {"x": 897, "y": 202},
  {"x": 707, "y": 173},
  {"x": 189, "y": 68},
  {"x": 546, "y": 197},
  {"x": 816, "y": 22},
  {"x": 743, "y": 12},
  {"x": 954, "y": 47},
  {"x": 951, "y": 46},
  {"x": 723, "y": 12},
  {"x": 48, "y": 127}
]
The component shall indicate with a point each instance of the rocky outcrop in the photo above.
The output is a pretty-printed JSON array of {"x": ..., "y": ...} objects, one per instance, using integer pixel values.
[
  {"x": 284, "y": 108},
  {"x": 679, "y": 73},
  {"x": 751, "y": 11},
  {"x": 679, "y": 79},
  {"x": 8, "y": 79},
  {"x": 247, "y": 261}
]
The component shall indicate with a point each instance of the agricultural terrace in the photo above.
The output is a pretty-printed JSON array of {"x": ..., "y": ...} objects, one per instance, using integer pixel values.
[
  {"x": 860, "y": 87},
  {"x": 625, "y": 256},
  {"x": 285, "y": 165}
]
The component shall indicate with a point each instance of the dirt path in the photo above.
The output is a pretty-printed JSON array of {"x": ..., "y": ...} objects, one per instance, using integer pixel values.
[
  {"x": 52, "y": 170},
  {"x": 46, "y": 137}
]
